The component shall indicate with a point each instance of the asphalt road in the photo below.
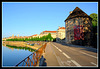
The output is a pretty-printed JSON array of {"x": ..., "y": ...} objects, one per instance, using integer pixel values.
[{"x": 62, "y": 55}]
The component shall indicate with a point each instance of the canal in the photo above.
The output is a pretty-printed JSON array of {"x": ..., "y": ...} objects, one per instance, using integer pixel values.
[{"x": 13, "y": 55}]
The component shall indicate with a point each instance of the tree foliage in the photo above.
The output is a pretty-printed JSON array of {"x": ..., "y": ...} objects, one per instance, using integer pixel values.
[
  {"x": 94, "y": 27},
  {"x": 94, "y": 19},
  {"x": 43, "y": 38}
]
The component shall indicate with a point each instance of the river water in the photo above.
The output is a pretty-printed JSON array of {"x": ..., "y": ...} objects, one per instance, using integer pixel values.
[{"x": 12, "y": 56}]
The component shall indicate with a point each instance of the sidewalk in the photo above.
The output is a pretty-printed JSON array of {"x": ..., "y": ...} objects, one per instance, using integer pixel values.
[{"x": 49, "y": 55}]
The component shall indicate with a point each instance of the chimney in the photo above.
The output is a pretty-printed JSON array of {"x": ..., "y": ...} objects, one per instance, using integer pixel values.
[{"x": 70, "y": 12}]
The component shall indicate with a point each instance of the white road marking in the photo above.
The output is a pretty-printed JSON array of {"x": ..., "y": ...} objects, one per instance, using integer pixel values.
[
  {"x": 93, "y": 63},
  {"x": 53, "y": 44},
  {"x": 65, "y": 55},
  {"x": 60, "y": 50},
  {"x": 59, "y": 61},
  {"x": 88, "y": 54},
  {"x": 58, "y": 58},
  {"x": 77, "y": 64},
  {"x": 57, "y": 48},
  {"x": 85, "y": 53},
  {"x": 68, "y": 62}
]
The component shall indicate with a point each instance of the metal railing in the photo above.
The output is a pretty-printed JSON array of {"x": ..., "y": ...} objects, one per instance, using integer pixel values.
[{"x": 33, "y": 59}]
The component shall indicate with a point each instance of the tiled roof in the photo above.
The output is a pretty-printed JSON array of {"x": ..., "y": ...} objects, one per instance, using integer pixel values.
[
  {"x": 50, "y": 31},
  {"x": 77, "y": 12},
  {"x": 62, "y": 28},
  {"x": 34, "y": 35}
]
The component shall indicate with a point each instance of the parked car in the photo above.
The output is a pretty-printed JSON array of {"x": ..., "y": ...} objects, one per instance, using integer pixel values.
[
  {"x": 32, "y": 44},
  {"x": 28, "y": 43}
]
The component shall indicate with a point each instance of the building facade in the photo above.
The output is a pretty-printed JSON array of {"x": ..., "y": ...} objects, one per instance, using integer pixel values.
[
  {"x": 78, "y": 28},
  {"x": 60, "y": 34},
  {"x": 53, "y": 33},
  {"x": 35, "y": 35}
]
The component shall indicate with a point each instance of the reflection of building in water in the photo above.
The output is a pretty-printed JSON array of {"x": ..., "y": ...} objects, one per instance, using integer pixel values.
[
  {"x": 9, "y": 47},
  {"x": 12, "y": 49},
  {"x": 4, "y": 44},
  {"x": 18, "y": 49}
]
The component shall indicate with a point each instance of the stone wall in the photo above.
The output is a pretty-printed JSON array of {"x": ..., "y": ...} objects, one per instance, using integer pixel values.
[
  {"x": 16, "y": 43},
  {"x": 21, "y": 44},
  {"x": 87, "y": 26}
]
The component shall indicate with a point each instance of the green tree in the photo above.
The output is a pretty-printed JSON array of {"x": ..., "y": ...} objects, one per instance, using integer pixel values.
[
  {"x": 49, "y": 37},
  {"x": 94, "y": 19},
  {"x": 43, "y": 38},
  {"x": 94, "y": 23}
]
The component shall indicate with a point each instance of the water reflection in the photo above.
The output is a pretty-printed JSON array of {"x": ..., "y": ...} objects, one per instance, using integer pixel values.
[
  {"x": 24, "y": 48},
  {"x": 12, "y": 56},
  {"x": 33, "y": 59}
]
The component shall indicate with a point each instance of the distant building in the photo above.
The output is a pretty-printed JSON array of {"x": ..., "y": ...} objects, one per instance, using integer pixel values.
[
  {"x": 15, "y": 36},
  {"x": 26, "y": 37},
  {"x": 53, "y": 33},
  {"x": 60, "y": 34},
  {"x": 18, "y": 35},
  {"x": 4, "y": 39},
  {"x": 35, "y": 35},
  {"x": 78, "y": 28},
  {"x": 12, "y": 35}
]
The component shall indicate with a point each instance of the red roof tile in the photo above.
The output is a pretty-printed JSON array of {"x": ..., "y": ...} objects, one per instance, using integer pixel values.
[
  {"x": 50, "y": 31},
  {"x": 62, "y": 28},
  {"x": 34, "y": 35}
]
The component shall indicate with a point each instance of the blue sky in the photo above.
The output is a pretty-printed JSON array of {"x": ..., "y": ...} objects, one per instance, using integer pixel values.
[{"x": 29, "y": 18}]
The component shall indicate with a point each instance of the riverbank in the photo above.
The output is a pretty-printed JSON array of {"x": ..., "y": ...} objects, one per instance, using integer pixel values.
[{"x": 24, "y": 44}]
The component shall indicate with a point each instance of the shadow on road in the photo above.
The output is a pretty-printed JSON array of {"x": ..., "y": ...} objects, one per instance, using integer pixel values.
[
  {"x": 42, "y": 61},
  {"x": 92, "y": 50},
  {"x": 84, "y": 47}
]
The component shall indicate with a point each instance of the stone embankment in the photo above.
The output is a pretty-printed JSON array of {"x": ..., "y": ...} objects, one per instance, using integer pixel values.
[{"x": 24, "y": 44}]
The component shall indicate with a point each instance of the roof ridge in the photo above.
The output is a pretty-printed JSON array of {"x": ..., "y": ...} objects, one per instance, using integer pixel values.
[
  {"x": 77, "y": 12},
  {"x": 49, "y": 31}
]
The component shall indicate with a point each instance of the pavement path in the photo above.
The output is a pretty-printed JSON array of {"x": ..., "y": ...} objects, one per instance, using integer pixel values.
[
  {"x": 61, "y": 55},
  {"x": 50, "y": 56}
]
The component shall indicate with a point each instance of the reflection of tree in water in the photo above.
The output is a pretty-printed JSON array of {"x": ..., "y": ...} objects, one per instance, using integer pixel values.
[
  {"x": 8, "y": 47},
  {"x": 34, "y": 59},
  {"x": 24, "y": 48}
]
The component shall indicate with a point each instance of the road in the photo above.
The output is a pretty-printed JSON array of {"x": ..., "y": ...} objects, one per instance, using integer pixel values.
[{"x": 62, "y": 55}]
